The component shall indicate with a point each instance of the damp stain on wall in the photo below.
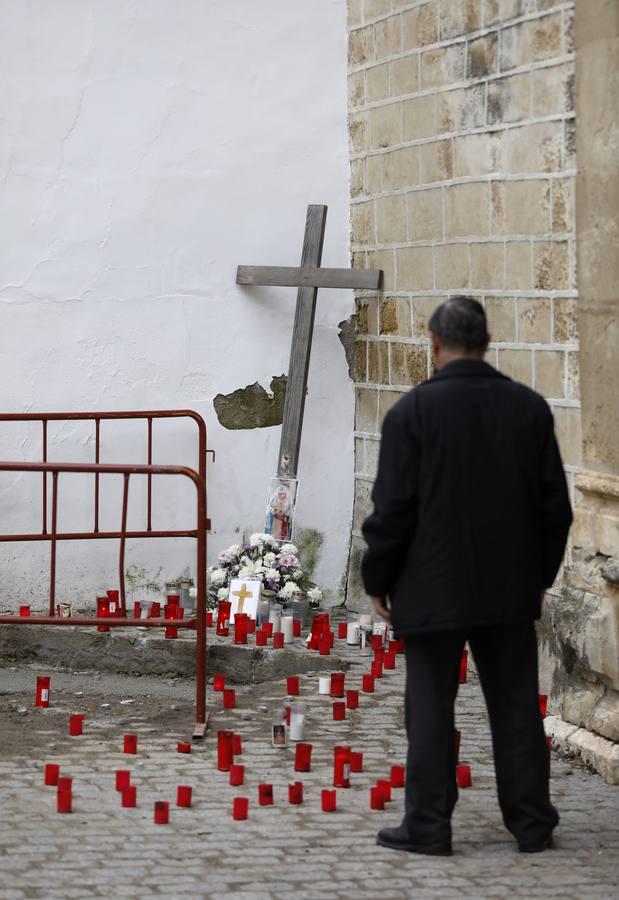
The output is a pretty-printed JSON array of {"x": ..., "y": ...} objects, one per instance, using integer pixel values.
[{"x": 252, "y": 406}]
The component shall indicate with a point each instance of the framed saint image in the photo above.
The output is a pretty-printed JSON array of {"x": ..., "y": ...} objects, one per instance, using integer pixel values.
[
  {"x": 244, "y": 596},
  {"x": 281, "y": 505}
]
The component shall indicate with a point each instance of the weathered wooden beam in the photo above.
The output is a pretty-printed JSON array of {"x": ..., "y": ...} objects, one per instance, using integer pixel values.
[
  {"x": 310, "y": 276},
  {"x": 296, "y": 389}
]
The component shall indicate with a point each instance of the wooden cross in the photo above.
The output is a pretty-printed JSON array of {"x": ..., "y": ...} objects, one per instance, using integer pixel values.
[
  {"x": 307, "y": 278},
  {"x": 243, "y": 594}
]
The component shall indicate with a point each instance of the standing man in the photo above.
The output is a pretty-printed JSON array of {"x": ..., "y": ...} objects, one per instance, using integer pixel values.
[{"x": 471, "y": 517}]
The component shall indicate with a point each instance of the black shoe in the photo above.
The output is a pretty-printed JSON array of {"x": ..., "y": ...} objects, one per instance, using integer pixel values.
[
  {"x": 539, "y": 847},
  {"x": 398, "y": 839}
]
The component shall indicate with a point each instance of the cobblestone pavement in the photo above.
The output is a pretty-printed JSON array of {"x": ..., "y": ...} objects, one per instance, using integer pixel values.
[{"x": 281, "y": 851}]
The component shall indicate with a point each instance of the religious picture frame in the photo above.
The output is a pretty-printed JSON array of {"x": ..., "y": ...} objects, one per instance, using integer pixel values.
[
  {"x": 281, "y": 506},
  {"x": 244, "y": 595}
]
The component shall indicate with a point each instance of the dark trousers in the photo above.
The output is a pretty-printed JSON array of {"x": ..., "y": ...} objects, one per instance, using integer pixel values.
[{"x": 506, "y": 659}]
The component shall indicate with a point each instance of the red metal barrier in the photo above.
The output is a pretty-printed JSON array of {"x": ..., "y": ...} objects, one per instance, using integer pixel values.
[{"x": 97, "y": 468}]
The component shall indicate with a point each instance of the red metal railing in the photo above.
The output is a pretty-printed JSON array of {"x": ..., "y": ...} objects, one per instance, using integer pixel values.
[{"x": 97, "y": 468}]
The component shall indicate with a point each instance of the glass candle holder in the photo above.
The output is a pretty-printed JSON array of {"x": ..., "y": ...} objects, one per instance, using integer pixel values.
[
  {"x": 219, "y": 682},
  {"x": 261, "y": 638},
  {"x": 183, "y": 747},
  {"x": 237, "y": 744},
  {"x": 262, "y": 610},
  {"x": 103, "y": 612},
  {"x": 229, "y": 698},
  {"x": 224, "y": 750},
  {"x": 122, "y": 779},
  {"x": 341, "y": 769},
  {"x": 292, "y": 685},
  {"x": 337, "y": 684},
  {"x": 339, "y": 711},
  {"x": 297, "y": 721},
  {"x": 278, "y": 640}
]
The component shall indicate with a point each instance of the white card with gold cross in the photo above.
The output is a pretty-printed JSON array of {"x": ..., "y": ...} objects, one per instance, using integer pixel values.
[{"x": 244, "y": 596}]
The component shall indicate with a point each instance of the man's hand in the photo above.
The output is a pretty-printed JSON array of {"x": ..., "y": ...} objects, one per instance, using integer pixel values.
[{"x": 380, "y": 608}]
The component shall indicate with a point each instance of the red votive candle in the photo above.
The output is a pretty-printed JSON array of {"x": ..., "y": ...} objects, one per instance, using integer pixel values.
[
  {"x": 224, "y": 750},
  {"x": 251, "y": 625},
  {"x": 183, "y": 747},
  {"x": 237, "y": 744},
  {"x": 377, "y": 798},
  {"x": 64, "y": 802},
  {"x": 296, "y": 627},
  {"x": 128, "y": 798},
  {"x": 123, "y": 779},
  {"x": 393, "y": 647},
  {"x": 155, "y": 610},
  {"x": 377, "y": 669},
  {"x": 385, "y": 786},
  {"x": 457, "y": 739},
  {"x": 367, "y": 684},
  {"x": 356, "y": 761},
  {"x": 267, "y": 627},
  {"x": 170, "y": 611},
  {"x": 292, "y": 686},
  {"x": 328, "y": 800},
  {"x": 223, "y": 618},
  {"x": 137, "y": 609},
  {"x": 52, "y": 771},
  {"x": 313, "y": 643},
  {"x": 396, "y": 776},
  {"x": 114, "y": 601},
  {"x": 42, "y": 691},
  {"x": 341, "y": 769},
  {"x": 103, "y": 612},
  {"x": 237, "y": 775},
  {"x": 543, "y": 704},
  {"x": 463, "y": 666},
  {"x": 295, "y": 792},
  {"x": 24, "y": 610},
  {"x": 265, "y": 794},
  {"x": 183, "y": 795},
  {"x": 278, "y": 640},
  {"x": 379, "y": 655},
  {"x": 65, "y": 784},
  {"x": 389, "y": 661},
  {"x": 324, "y": 646},
  {"x": 161, "y": 814},
  {"x": 219, "y": 682},
  {"x": 240, "y": 806},
  {"x": 261, "y": 638},
  {"x": 209, "y": 619},
  {"x": 240, "y": 628},
  {"x": 352, "y": 699},
  {"x": 341, "y": 630},
  {"x": 463, "y": 776},
  {"x": 229, "y": 698},
  {"x": 76, "y": 724},
  {"x": 339, "y": 711},
  {"x": 376, "y": 642},
  {"x": 337, "y": 684},
  {"x": 303, "y": 757},
  {"x": 130, "y": 743}
]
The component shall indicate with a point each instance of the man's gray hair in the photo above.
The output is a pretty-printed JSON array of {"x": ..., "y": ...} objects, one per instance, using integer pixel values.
[{"x": 460, "y": 323}]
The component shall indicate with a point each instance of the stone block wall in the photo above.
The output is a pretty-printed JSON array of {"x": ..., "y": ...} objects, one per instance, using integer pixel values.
[{"x": 462, "y": 151}]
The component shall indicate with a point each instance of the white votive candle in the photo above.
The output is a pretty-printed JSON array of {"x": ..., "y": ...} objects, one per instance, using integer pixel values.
[
  {"x": 324, "y": 684},
  {"x": 286, "y": 627},
  {"x": 352, "y": 633}
]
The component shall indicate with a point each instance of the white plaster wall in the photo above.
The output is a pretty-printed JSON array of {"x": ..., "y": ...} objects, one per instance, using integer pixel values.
[{"x": 145, "y": 150}]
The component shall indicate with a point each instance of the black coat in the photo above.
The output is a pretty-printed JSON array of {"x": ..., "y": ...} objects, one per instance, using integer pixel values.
[{"x": 471, "y": 508}]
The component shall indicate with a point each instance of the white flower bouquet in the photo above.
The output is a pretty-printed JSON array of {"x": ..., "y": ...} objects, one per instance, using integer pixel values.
[{"x": 262, "y": 559}]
